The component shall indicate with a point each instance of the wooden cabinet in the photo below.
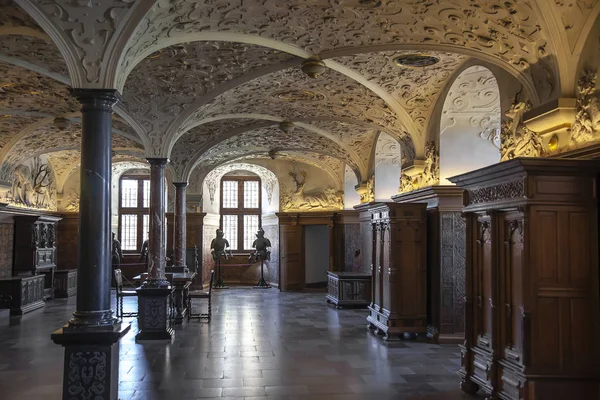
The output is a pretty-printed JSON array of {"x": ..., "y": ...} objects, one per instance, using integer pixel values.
[
  {"x": 532, "y": 298},
  {"x": 348, "y": 288},
  {"x": 399, "y": 272},
  {"x": 35, "y": 249},
  {"x": 65, "y": 283}
]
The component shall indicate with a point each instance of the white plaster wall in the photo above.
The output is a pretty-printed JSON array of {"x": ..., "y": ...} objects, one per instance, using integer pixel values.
[
  {"x": 470, "y": 124},
  {"x": 388, "y": 157},
  {"x": 316, "y": 252},
  {"x": 351, "y": 198}
]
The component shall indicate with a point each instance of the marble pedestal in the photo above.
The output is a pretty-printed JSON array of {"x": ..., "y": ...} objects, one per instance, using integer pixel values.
[
  {"x": 91, "y": 366},
  {"x": 155, "y": 313}
]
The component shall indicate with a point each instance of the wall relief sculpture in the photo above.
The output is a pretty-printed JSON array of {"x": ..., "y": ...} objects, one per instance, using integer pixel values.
[
  {"x": 366, "y": 190},
  {"x": 32, "y": 186},
  {"x": 430, "y": 175},
  {"x": 587, "y": 119},
  {"x": 518, "y": 140},
  {"x": 297, "y": 200}
]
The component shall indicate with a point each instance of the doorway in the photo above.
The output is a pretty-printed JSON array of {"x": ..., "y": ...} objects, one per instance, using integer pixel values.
[{"x": 316, "y": 255}]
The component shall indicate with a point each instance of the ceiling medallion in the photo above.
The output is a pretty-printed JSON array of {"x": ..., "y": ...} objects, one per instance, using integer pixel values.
[
  {"x": 415, "y": 60},
  {"x": 313, "y": 66},
  {"x": 298, "y": 95},
  {"x": 61, "y": 122}
]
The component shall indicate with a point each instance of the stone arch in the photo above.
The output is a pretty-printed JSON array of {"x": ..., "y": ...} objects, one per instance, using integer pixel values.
[{"x": 470, "y": 123}]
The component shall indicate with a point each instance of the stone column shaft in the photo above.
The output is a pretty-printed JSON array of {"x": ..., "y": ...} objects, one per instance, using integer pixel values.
[
  {"x": 157, "y": 246},
  {"x": 179, "y": 231}
]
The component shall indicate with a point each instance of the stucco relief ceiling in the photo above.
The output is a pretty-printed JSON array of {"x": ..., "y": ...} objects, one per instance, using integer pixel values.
[
  {"x": 168, "y": 81},
  {"x": 416, "y": 89},
  {"x": 38, "y": 52},
  {"x": 22, "y": 90},
  {"x": 14, "y": 20},
  {"x": 357, "y": 137},
  {"x": 292, "y": 95},
  {"x": 49, "y": 138},
  {"x": 573, "y": 14},
  {"x": 508, "y": 32},
  {"x": 11, "y": 125}
]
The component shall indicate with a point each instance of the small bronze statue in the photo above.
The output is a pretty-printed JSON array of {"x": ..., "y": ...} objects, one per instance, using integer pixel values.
[
  {"x": 262, "y": 254},
  {"x": 218, "y": 249}
]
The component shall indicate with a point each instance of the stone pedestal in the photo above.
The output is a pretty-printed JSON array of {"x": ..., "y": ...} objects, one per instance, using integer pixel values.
[
  {"x": 155, "y": 317},
  {"x": 91, "y": 361}
]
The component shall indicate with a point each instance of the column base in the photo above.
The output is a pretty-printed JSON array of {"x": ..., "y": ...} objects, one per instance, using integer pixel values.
[
  {"x": 91, "y": 366},
  {"x": 155, "y": 313}
]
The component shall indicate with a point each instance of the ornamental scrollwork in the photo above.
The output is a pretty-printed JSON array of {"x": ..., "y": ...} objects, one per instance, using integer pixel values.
[
  {"x": 587, "y": 119},
  {"x": 503, "y": 191},
  {"x": 517, "y": 139},
  {"x": 430, "y": 175},
  {"x": 297, "y": 200}
]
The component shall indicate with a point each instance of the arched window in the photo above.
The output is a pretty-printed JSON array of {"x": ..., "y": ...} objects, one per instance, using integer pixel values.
[
  {"x": 134, "y": 207},
  {"x": 240, "y": 210}
]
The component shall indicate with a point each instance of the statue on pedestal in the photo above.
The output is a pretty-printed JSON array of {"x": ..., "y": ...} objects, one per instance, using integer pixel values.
[
  {"x": 262, "y": 254},
  {"x": 117, "y": 253}
]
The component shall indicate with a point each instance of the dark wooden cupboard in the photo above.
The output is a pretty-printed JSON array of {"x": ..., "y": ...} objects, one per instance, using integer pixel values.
[
  {"x": 532, "y": 297},
  {"x": 35, "y": 249},
  {"x": 399, "y": 272}
]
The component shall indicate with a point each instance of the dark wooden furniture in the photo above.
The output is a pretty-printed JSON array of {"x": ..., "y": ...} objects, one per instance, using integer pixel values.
[
  {"x": 532, "y": 306},
  {"x": 199, "y": 294},
  {"x": 121, "y": 294},
  {"x": 22, "y": 294},
  {"x": 181, "y": 283},
  {"x": 65, "y": 283},
  {"x": 35, "y": 248},
  {"x": 446, "y": 251},
  {"x": 399, "y": 298},
  {"x": 348, "y": 289}
]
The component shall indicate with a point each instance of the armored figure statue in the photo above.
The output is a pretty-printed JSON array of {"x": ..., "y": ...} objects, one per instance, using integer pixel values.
[
  {"x": 117, "y": 253},
  {"x": 261, "y": 244},
  {"x": 219, "y": 246}
]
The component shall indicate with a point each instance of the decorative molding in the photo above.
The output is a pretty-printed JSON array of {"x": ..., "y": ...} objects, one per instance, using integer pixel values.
[
  {"x": 387, "y": 151},
  {"x": 474, "y": 99},
  {"x": 587, "y": 120},
  {"x": 517, "y": 139},
  {"x": 503, "y": 191},
  {"x": 430, "y": 175},
  {"x": 366, "y": 190}
]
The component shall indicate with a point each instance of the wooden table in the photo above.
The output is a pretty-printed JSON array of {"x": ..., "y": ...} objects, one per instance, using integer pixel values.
[{"x": 182, "y": 282}]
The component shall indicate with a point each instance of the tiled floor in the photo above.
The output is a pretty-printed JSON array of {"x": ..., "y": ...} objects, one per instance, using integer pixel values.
[{"x": 261, "y": 344}]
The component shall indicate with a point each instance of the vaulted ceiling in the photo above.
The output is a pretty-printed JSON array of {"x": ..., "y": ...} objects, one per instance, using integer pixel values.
[{"x": 206, "y": 83}]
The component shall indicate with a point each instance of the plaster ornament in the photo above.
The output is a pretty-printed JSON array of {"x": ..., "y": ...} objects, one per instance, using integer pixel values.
[
  {"x": 32, "y": 187},
  {"x": 587, "y": 119},
  {"x": 430, "y": 175},
  {"x": 313, "y": 67},
  {"x": 387, "y": 151},
  {"x": 510, "y": 33},
  {"x": 366, "y": 190},
  {"x": 41, "y": 53},
  {"x": 297, "y": 200},
  {"x": 72, "y": 202},
  {"x": 518, "y": 140}
]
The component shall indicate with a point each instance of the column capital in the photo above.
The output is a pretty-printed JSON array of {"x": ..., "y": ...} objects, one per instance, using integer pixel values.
[
  {"x": 97, "y": 99},
  {"x": 157, "y": 161},
  {"x": 180, "y": 185}
]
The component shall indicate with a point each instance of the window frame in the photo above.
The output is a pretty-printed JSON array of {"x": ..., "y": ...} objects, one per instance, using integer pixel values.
[
  {"x": 139, "y": 210},
  {"x": 240, "y": 211}
]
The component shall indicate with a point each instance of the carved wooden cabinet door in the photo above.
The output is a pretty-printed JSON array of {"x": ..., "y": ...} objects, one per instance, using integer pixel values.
[
  {"x": 378, "y": 264},
  {"x": 511, "y": 287}
]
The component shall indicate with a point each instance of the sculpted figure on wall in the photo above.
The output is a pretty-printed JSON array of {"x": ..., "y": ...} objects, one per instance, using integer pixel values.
[
  {"x": 297, "y": 200},
  {"x": 366, "y": 191},
  {"x": 587, "y": 119},
  {"x": 32, "y": 188},
  {"x": 430, "y": 175},
  {"x": 517, "y": 139}
]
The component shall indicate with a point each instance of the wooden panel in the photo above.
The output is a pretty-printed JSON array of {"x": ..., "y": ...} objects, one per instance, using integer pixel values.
[
  {"x": 292, "y": 271},
  {"x": 483, "y": 282}
]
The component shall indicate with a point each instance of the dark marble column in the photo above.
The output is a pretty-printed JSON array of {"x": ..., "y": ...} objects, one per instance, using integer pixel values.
[
  {"x": 155, "y": 296},
  {"x": 157, "y": 246},
  {"x": 179, "y": 233},
  {"x": 91, "y": 338}
]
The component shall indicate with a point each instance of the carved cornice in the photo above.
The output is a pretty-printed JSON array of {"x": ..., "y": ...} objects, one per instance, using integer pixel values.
[{"x": 504, "y": 191}]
